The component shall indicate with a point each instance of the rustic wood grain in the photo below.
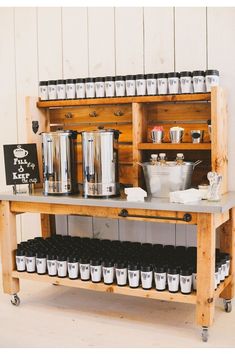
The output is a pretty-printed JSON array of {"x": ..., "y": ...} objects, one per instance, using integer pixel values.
[
  {"x": 114, "y": 289},
  {"x": 109, "y": 212},
  {"x": 227, "y": 244},
  {"x": 120, "y": 100},
  {"x": 8, "y": 246},
  {"x": 205, "y": 269}
]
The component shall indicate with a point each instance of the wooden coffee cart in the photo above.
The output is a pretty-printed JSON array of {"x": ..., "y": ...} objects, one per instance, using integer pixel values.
[{"x": 135, "y": 116}]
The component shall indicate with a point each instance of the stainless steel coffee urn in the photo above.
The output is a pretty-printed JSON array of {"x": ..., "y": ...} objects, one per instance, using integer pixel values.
[
  {"x": 100, "y": 163},
  {"x": 59, "y": 162}
]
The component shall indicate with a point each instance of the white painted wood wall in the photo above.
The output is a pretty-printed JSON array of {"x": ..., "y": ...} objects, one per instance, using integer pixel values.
[{"x": 50, "y": 43}]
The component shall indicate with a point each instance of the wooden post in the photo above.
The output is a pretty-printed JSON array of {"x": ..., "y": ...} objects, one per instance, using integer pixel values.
[
  {"x": 227, "y": 244},
  {"x": 8, "y": 246},
  {"x": 139, "y": 135},
  {"x": 42, "y": 117},
  {"x": 205, "y": 269},
  {"x": 48, "y": 227},
  {"x": 219, "y": 135}
]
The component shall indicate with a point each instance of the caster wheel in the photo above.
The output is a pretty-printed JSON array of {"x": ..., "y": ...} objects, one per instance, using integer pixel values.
[
  {"x": 205, "y": 334},
  {"x": 15, "y": 300},
  {"x": 227, "y": 305}
]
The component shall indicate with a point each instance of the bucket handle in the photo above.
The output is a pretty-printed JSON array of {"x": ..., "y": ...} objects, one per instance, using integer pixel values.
[{"x": 196, "y": 163}]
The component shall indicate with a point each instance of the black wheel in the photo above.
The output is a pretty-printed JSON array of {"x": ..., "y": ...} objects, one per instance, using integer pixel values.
[
  {"x": 228, "y": 306},
  {"x": 15, "y": 300},
  {"x": 205, "y": 334}
]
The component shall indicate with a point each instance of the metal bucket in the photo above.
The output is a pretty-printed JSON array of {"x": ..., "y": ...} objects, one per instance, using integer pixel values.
[{"x": 162, "y": 179}]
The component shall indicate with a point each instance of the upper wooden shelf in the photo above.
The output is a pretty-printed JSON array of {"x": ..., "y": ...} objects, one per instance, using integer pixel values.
[
  {"x": 123, "y": 100},
  {"x": 170, "y": 146}
]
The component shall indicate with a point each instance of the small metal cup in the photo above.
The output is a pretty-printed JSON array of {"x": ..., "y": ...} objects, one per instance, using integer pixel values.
[
  {"x": 197, "y": 136},
  {"x": 157, "y": 136},
  {"x": 176, "y": 136}
]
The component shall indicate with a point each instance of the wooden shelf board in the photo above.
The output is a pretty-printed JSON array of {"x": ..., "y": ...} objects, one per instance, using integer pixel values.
[
  {"x": 139, "y": 292},
  {"x": 170, "y": 146},
  {"x": 223, "y": 285},
  {"x": 120, "y": 100}
]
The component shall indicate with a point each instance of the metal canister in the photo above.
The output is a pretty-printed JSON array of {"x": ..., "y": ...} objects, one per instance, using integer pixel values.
[
  {"x": 59, "y": 162},
  {"x": 100, "y": 163}
]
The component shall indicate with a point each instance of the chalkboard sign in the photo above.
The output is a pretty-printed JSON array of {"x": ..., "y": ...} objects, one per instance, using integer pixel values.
[{"x": 21, "y": 164}]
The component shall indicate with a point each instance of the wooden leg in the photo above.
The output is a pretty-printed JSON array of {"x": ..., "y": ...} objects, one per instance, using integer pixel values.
[
  {"x": 205, "y": 269},
  {"x": 8, "y": 246},
  {"x": 48, "y": 225},
  {"x": 227, "y": 244}
]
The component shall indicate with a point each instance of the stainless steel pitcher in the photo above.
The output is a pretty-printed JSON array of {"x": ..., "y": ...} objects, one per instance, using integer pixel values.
[
  {"x": 59, "y": 162},
  {"x": 100, "y": 162}
]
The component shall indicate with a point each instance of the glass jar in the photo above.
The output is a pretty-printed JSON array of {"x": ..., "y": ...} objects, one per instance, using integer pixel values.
[
  {"x": 43, "y": 90},
  {"x": 109, "y": 86},
  {"x": 130, "y": 85},
  {"x": 120, "y": 86},
  {"x": 70, "y": 89},
  {"x": 61, "y": 89},
  {"x": 151, "y": 80},
  {"x": 52, "y": 90},
  {"x": 90, "y": 87},
  {"x": 199, "y": 81},
  {"x": 80, "y": 88},
  {"x": 173, "y": 83},
  {"x": 140, "y": 85},
  {"x": 99, "y": 87},
  {"x": 186, "y": 82},
  {"x": 212, "y": 79},
  {"x": 162, "y": 84}
]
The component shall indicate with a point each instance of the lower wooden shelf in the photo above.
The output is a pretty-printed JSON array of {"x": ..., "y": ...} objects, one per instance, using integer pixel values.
[{"x": 125, "y": 290}]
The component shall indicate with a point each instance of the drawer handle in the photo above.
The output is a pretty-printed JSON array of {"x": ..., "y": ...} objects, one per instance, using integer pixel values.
[
  {"x": 118, "y": 113},
  {"x": 93, "y": 114},
  {"x": 124, "y": 213},
  {"x": 68, "y": 115}
]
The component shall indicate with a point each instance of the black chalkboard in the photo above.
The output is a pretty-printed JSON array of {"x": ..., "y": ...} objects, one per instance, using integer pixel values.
[{"x": 21, "y": 164}]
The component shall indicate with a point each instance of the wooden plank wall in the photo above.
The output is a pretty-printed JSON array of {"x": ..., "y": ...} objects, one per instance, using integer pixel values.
[{"x": 48, "y": 43}]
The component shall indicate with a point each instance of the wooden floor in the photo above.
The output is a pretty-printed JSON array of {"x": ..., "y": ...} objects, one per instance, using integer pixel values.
[{"x": 57, "y": 316}]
